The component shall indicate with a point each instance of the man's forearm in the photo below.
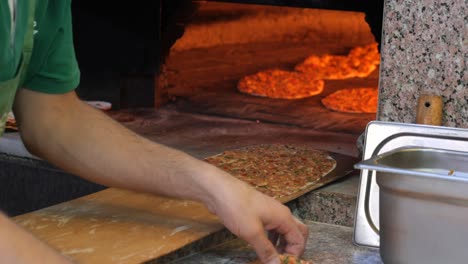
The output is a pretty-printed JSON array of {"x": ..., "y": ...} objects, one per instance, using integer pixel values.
[
  {"x": 86, "y": 142},
  {"x": 18, "y": 246}
]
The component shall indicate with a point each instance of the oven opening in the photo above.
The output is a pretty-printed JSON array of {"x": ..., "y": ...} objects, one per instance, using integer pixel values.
[{"x": 304, "y": 67}]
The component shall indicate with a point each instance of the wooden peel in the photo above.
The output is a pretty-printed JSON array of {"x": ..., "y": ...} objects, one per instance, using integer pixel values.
[
  {"x": 119, "y": 226},
  {"x": 429, "y": 110}
]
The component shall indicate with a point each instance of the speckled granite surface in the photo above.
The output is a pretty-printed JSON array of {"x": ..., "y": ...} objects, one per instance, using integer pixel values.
[
  {"x": 327, "y": 244},
  {"x": 332, "y": 204},
  {"x": 424, "y": 50}
]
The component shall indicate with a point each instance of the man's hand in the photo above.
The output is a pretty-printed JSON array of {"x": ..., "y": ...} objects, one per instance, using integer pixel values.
[{"x": 249, "y": 214}]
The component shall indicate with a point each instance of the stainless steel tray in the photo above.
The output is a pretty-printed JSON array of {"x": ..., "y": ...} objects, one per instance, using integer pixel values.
[
  {"x": 431, "y": 163},
  {"x": 382, "y": 137},
  {"x": 424, "y": 197}
]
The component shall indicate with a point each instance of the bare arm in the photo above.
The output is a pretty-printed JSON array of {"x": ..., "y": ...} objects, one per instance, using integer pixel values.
[
  {"x": 18, "y": 246},
  {"x": 84, "y": 141},
  {"x": 74, "y": 136}
]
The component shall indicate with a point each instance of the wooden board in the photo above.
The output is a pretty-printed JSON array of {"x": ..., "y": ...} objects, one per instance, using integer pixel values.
[{"x": 118, "y": 226}]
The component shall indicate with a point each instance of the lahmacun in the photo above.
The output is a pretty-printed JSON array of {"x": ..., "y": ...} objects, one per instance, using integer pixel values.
[
  {"x": 360, "y": 62},
  {"x": 280, "y": 84},
  {"x": 368, "y": 52},
  {"x": 354, "y": 100},
  {"x": 334, "y": 67},
  {"x": 276, "y": 170}
]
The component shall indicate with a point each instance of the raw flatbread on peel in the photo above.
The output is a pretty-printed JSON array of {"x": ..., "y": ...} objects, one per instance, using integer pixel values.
[
  {"x": 280, "y": 84},
  {"x": 276, "y": 170}
]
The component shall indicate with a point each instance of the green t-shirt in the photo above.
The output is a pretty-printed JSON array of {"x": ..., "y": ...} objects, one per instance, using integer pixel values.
[{"x": 53, "y": 67}]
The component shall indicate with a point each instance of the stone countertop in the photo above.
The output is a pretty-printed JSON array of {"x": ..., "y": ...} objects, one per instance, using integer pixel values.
[
  {"x": 327, "y": 244},
  {"x": 333, "y": 204}
]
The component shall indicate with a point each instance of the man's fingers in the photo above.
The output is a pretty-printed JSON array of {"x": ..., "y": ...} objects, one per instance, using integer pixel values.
[
  {"x": 295, "y": 235},
  {"x": 265, "y": 250},
  {"x": 293, "y": 231},
  {"x": 274, "y": 238},
  {"x": 281, "y": 245},
  {"x": 302, "y": 228}
]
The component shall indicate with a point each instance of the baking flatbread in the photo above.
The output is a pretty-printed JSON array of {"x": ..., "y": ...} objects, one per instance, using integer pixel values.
[
  {"x": 334, "y": 67},
  {"x": 354, "y": 100},
  {"x": 280, "y": 84},
  {"x": 360, "y": 62},
  {"x": 368, "y": 52}
]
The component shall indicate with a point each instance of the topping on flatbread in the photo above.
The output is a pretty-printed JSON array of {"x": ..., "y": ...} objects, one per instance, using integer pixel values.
[{"x": 276, "y": 170}]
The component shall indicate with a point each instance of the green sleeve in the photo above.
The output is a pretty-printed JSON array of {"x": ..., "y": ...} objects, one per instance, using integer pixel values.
[{"x": 53, "y": 67}]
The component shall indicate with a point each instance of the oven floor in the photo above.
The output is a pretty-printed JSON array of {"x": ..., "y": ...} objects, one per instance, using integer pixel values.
[{"x": 203, "y": 135}]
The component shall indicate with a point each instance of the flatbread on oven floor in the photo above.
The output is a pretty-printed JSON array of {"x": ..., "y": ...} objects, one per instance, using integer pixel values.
[
  {"x": 334, "y": 67},
  {"x": 354, "y": 100},
  {"x": 276, "y": 170},
  {"x": 280, "y": 84},
  {"x": 368, "y": 52},
  {"x": 360, "y": 62}
]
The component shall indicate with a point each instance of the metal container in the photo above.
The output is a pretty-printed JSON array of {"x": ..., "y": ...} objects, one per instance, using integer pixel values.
[
  {"x": 381, "y": 137},
  {"x": 423, "y": 204}
]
